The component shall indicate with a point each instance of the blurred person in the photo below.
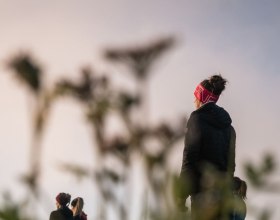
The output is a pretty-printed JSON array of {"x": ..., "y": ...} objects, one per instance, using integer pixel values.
[
  {"x": 239, "y": 197},
  {"x": 77, "y": 209},
  {"x": 62, "y": 212},
  {"x": 209, "y": 152}
]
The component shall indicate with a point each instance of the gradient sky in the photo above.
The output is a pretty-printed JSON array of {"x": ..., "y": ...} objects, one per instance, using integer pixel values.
[{"x": 238, "y": 38}]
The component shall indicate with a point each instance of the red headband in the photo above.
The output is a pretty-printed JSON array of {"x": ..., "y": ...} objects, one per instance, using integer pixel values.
[{"x": 204, "y": 96}]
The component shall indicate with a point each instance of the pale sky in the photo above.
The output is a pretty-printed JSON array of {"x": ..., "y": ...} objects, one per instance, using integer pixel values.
[{"x": 238, "y": 38}]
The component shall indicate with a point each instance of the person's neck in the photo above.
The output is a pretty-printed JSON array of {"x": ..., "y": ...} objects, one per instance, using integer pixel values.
[{"x": 203, "y": 104}]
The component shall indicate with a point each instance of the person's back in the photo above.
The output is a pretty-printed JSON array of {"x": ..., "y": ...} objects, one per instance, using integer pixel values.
[
  {"x": 77, "y": 209},
  {"x": 82, "y": 216},
  {"x": 215, "y": 130},
  {"x": 62, "y": 212},
  {"x": 209, "y": 153}
]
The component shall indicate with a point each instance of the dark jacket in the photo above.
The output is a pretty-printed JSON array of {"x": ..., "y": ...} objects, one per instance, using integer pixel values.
[
  {"x": 83, "y": 216},
  {"x": 209, "y": 142},
  {"x": 63, "y": 213}
]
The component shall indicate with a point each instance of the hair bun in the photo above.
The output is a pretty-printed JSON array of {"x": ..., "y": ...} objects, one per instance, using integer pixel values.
[
  {"x": 218, "y": 83},
  {"x": 63, "y": 198}
]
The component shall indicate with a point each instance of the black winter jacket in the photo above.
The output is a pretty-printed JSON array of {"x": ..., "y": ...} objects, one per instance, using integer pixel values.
[
  {"x": 209, "y": 142},
  {"x": 63, "y": 213},
  {"x": 83, "y": 216}
]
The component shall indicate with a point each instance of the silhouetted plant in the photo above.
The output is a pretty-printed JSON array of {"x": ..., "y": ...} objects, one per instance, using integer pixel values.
[
  {"x": 149, "y": 143},
  {"x": 29, "y": 73},
  {"x": 11, "y": 210},
  {"x": 100, "y": 100},
  {"x": 140, "y": 59},
  {"x": 259, "y": 176}
]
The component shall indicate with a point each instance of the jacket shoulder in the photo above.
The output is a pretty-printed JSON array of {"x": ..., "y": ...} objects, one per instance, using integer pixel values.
[
  {"x": 194, "y": 117},
  {"x": 54, "y": 215},
  {"x": 232, "y": 130}
]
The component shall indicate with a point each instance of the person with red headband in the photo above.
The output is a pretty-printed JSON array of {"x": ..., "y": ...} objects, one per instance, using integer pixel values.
[
  {"x": 62, "y": 212},
  {"x": 209, "y": 152}
]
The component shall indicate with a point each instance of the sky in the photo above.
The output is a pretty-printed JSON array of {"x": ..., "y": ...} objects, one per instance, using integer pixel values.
[{"x": 237, "y": 38}]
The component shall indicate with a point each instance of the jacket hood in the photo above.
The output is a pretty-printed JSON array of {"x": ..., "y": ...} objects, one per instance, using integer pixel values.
[{"x": 214, "y": 115}]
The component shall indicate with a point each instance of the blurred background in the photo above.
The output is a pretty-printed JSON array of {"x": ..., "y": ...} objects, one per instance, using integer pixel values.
[{"x": 53, "y": 133}]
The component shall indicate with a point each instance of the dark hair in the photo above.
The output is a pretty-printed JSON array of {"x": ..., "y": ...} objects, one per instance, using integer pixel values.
[
  {"x": 63, "y": 198},
  {"x": 74, "y": 201},
  {"x": 78, "y": 203},
  {"x": 215, "y": 84},
  {"x": 239, "y": 187}
]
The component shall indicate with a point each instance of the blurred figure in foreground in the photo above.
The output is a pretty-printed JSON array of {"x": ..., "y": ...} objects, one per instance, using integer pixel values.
[
  {"x": 62, "y": 212},
  {"x": 77, "y": 209},
  {"x": 209, "y": 153},
  {"x": 239, "y": 196}
]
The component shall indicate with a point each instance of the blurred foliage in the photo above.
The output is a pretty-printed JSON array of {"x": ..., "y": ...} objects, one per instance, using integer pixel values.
[
  {"x": 259, "y": 174},
  {"x": 27, "y": 71},
  {"x": 140, "y": 59},
  {"x": 82, "y": 90},
  {"x": 11, "y": 210},
  {"x": 150, "y": 143},
  {"x": 260, "y": 177},
  {"x": 100, "y": 99}
]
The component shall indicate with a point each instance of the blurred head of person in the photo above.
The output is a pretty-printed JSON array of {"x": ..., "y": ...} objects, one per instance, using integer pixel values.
[
  {"x": 239, "y": 187},
  {"x": 62, "y": 199},
  {"x": 77, "y": 206}
]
